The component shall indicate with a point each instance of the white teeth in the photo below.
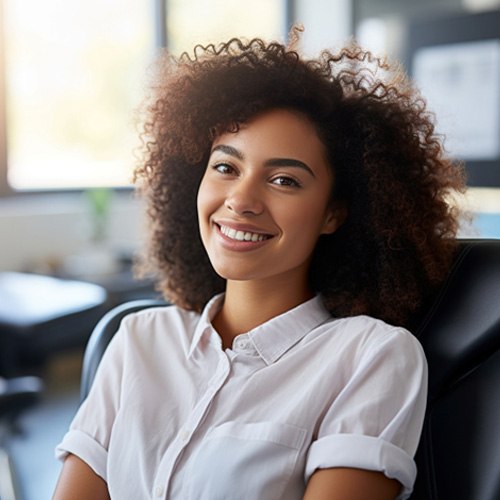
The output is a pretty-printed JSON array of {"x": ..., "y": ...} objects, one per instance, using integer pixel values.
[{"x": 241, "y": 235}]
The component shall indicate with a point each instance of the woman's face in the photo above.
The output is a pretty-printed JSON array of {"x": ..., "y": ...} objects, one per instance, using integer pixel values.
[{"x": 264, "y": 199}]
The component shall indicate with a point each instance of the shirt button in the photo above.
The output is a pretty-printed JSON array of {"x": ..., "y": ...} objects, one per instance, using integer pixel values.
[
  {"x": 184, "y": 435},
  {"x": 242, "y": 344},
  {"x": 158, "y": 491}
]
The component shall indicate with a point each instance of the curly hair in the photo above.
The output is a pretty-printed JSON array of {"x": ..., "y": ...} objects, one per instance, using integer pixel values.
[{"x": 390, "y": 169}]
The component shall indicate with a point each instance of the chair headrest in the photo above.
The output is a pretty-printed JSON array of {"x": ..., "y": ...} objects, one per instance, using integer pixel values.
[{"x": 462, "y": 327}]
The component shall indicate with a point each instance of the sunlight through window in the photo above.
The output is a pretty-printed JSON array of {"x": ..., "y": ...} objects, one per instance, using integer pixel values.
[{"x": 73, "y": 76}]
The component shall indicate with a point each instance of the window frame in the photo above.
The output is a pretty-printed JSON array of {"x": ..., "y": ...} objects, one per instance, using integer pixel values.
[{"x": 5, "y": 189}]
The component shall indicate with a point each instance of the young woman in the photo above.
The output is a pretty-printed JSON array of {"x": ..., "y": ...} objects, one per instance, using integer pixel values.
[{"x": 299, "y": 219}]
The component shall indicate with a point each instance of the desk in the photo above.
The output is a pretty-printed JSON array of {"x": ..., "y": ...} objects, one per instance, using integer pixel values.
[{"x": 40, "y": 315}]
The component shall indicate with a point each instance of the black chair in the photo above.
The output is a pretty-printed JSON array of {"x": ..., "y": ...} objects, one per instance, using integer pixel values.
[{"x": 459, "y": 454}]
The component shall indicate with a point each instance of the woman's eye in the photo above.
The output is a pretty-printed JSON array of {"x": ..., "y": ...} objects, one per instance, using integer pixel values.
[
  {"x": 285, "y": 181},
  {"x": 224, "y": 168}
]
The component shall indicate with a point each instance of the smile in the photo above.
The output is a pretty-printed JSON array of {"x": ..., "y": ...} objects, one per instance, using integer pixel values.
[{"x": 242, "y": 235}]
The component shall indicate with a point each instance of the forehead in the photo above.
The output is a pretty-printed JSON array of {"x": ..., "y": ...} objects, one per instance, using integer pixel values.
[{"x": 277, "y": 132}]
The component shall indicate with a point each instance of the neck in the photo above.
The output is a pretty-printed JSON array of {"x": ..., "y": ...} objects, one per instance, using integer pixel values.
[{"x": 248, "y": 304}]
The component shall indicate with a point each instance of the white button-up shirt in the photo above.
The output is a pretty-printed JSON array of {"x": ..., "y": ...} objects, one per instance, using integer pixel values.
[{"x": 173, "y": 415}]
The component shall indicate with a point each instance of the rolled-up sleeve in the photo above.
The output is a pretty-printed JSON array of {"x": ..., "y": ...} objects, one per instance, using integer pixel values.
[{"x": 375, "y": 422}]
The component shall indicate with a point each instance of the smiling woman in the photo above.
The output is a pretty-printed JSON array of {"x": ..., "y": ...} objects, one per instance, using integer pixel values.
[
  {"x": 252, "y": 197},
  {"x": 299, "y": 218},
  {"x": 263, "y": 203}
]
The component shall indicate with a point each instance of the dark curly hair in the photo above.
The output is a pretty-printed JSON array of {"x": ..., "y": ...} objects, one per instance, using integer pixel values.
[{"x": 398, "y": 239}]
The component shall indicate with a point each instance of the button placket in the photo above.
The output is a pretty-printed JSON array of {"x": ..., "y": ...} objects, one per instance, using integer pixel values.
[{"x": 183, "y": 437}]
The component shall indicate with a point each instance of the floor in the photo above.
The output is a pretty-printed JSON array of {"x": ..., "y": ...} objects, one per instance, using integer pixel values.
[{"x": 44, "y": 426}]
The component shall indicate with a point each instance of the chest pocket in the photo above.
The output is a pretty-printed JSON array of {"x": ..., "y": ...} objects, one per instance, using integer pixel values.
[{"x": 255, "y": 461}]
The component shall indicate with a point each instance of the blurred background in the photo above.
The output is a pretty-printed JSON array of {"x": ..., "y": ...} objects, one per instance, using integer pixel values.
[{"x": 71, "y": 77}]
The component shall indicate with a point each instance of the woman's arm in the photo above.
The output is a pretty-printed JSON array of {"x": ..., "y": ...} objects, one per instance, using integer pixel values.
[
  {"x": 350, "y": 484},
  {"x": 79, "y": 482}
]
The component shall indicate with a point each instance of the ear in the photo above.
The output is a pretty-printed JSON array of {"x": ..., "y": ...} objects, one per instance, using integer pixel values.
[{"x": 335, "y": 217}]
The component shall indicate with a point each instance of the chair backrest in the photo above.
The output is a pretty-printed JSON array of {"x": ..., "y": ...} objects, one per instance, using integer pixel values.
[
  {"x": 103, "y": 333},
  {"x": 459, "y": 454}
]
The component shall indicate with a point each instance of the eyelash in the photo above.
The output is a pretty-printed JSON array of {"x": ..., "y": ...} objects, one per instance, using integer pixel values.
[
  {"x": 229, "y": 168},
  {"x": 286, "y": 181},
  {"x": 289, "y": 181}
]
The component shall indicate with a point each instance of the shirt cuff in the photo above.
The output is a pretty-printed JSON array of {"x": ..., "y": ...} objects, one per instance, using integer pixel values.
[
  {"x": 363, "y": 452},
  {"x": 85, "y": 447}
]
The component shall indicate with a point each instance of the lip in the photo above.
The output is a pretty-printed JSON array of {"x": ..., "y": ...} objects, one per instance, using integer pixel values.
[
  {"x": 246, "y": 228},
  {"x": 237, "y": 245}
]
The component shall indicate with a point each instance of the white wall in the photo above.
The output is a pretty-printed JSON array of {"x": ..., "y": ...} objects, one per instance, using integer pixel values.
[{"x": 39, "y": 231}]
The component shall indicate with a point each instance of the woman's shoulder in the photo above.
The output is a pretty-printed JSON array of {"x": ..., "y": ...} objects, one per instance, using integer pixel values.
[
  {"x": 358, "y": 347},
  {"x": 366, "y": 333},
  {"x": 364, "y": 323},
  {"x": 167, "y": 312},
  {"x": 168, "y": 322}
]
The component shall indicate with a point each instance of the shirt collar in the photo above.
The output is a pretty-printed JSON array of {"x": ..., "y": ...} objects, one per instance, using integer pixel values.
[
  {"x": 205, "y": 322},
  {"x": 276, "y": 336},
  {"x": 273, "y": 338}
]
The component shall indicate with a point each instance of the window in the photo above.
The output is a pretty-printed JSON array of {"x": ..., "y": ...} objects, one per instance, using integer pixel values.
[
  {"x": 190, "y": 22},
  {"x": 74, "y": 73},
  {"x": 72, "y": 79}
]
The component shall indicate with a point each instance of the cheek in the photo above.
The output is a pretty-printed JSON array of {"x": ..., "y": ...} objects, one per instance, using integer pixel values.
[
  {"x": 202, "y": 199},
  {"x": 309, "y": 216},
  {"x": 305, "y": 226},
  {"x": 207, "y": 203},
  {"x": 201, "y": 208}
]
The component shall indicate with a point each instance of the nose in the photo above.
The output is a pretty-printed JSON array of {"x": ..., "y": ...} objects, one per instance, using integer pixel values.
[{"x": 244, "y": 198}]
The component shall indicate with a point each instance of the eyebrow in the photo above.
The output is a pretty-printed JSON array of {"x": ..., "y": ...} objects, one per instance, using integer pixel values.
[{"x": 271, "y": 162}]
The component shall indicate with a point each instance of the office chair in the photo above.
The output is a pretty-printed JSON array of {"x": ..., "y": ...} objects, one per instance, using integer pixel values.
[{"x": 459, "y": 454}]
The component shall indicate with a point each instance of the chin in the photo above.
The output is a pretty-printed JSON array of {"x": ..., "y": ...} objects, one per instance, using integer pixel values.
[{"x": 234, "y": 273}]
